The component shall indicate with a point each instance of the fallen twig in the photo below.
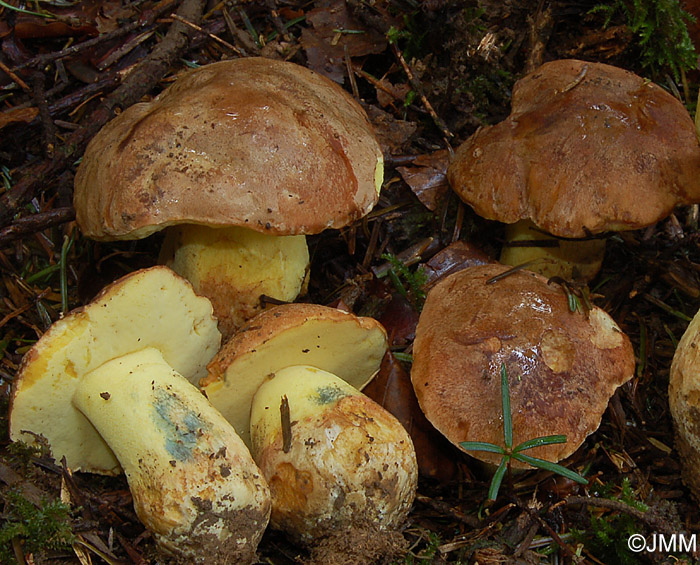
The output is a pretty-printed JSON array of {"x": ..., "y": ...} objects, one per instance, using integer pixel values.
[{"x": 142, "y": 79}]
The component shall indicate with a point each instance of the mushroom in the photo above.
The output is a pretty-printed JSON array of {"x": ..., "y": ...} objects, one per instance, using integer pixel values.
[
  {"x": 339, "y": 342},
  {"x": 326, "y": 481},
  {"x": 683, "y": 394},
  {"x": 193, "y": 481},
  {"x": 337, "y": 462},
  {"x": 239, "y": 159},
  {"x": 562, "y": 366},
  {"x": 587, "y": 148},
  {"x": 110, "y": 387}
]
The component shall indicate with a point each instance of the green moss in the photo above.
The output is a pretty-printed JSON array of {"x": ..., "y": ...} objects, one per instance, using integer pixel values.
[
  {"x": 38, "y": 529},
  {"x": 660, "y": 30}
]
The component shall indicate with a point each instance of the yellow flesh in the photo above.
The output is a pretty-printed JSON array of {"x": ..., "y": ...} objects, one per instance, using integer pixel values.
[
  {"x": 342, "y": 348},
  {"x": 234, "y": 266},
  {"x": 153, "y": 307},
  {"x": 569, "y": 260}
]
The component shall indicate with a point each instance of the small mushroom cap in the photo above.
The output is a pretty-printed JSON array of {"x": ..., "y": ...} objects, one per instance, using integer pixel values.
[
  {"x": 251, "y": 142},
  {"x": 588, "y": 147},
  {"x": 562, "y": 367},
  {"x": 339, "y": 342},
  {"x": 684, "y": 401},
  {"x": 151, "y": 307}
]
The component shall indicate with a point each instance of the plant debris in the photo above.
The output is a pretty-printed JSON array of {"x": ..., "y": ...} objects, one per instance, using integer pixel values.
[{"x": 428, "y": 74}]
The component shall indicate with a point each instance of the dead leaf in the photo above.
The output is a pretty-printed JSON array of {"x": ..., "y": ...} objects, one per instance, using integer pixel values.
[
  {"x": 333, "y": 33},
  {"x": 427, "y": 177},
  {"x": 392, "y": 389},
  {"x": 389, "y": 93},
  {"x": 16, "y": 115},
  {"x": 393, "y": 135},
  {"x": 400, "y": 320},
  {"x": 455, "y": 257}
]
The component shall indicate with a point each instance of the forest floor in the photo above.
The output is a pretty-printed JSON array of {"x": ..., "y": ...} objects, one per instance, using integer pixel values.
[{"x": 428, "y": 74}]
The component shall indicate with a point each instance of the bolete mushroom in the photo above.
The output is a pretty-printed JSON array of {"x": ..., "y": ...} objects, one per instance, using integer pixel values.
[
  {"x": 192, "y": 479},
  {"x": 562, "y": 366},
  {"x": 683, "y": 395},
  {"x": 240, "y": 159},
  {"x": 587, "y": 148},
  {"x": 328, "y": 476},
  {"x": 104, "y": 388},
  {"x": 336, "y": 461},
  {"x": 339, "y": 342}
]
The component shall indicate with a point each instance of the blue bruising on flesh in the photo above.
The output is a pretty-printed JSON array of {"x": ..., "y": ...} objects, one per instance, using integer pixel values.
[
  {"x": 181, "y": 427},
  {"x": 329, "y": 394}
]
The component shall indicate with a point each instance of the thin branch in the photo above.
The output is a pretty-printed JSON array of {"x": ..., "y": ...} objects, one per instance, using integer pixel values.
[{"x": 141, "y": 80}]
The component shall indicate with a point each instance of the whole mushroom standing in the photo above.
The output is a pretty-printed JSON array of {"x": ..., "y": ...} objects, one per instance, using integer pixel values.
[
  {"x": 109, "y": 387},
  {"x": 239, "y": 159},
  {"x": 562, "y": 366},
  {"x": 587, "y": 148}
]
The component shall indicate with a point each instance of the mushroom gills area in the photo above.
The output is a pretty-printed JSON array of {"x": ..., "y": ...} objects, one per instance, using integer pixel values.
[
  {"x": 566, "y": 258},
  {"x": 235, "y": 266},
  {"x": 338, "y": 460},
  {"x": 193, "y": 481},
  {"x": 339, "y": 347}
]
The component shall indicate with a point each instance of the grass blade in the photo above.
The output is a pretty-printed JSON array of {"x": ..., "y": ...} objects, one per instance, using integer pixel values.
[
  {"x": 498, "y": 478},
  {"x": 538, "y": 441},
  {"x": 549, "y": 466},
  {"x": 505, "y": 399},
  {"x": 481, "y": 446}
]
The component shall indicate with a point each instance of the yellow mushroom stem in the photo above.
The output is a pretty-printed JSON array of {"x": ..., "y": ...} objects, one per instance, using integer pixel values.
[
  {"x": 235, "y": 266},
  {"x": 193, "y": 481},
  {"x": 568, "y": 259},
  {"x": 335, "y": 460}
]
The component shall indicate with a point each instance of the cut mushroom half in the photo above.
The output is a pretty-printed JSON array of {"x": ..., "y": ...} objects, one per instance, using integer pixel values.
[
  {"x": 339, "y": 342},
  {"x": 149, "y": 308},
  {"x": 111, "y": 387},
  {"x": 335, "y": 460}
]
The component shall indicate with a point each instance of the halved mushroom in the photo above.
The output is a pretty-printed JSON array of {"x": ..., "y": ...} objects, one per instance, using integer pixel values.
[
  {"x": 104, "y": 388},
  {"x": 562, "y": 366},
  {"x": 587, "y": 148},
  {"x": 148, "y": 308},
  {"x": 339, "y": 342},
  {"x": 335, "y": 460},
  {"x": 250, "y": 144}
]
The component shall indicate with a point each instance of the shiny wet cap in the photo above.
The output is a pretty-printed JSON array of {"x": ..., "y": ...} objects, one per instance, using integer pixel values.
[
  {"x": 252, "y": 142},
  {"x": 587, "y": 148},
  {"x": 562, "y": 366}
]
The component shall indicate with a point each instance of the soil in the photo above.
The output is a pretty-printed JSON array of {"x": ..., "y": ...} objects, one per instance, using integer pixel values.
[{"x": 428, "y": 75}]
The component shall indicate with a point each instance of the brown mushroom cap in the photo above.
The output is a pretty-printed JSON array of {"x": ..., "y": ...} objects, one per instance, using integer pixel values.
[
  {"x": 588, "y": 147},
  {"x": 562, "y": 367},
  {"x": 252, "y": 142}
]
